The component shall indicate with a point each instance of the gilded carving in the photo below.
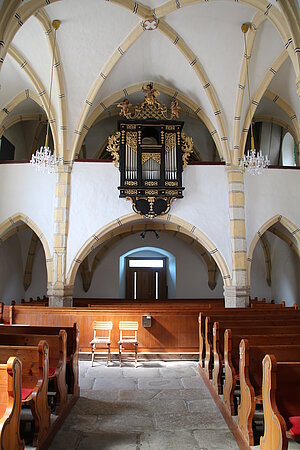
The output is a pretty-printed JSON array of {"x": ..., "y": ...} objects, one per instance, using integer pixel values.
[
  {"x": 130, "y": 183},
  {"x": 131, "y": 139},
  {"x": 186, "y": 147},
  {"x": 155, "y": 156},
  {"x": 151, "y": 183},
  {"x": 150, "y": 108},
  {"x": 171, "y": 183},
  {"x": 114, "y": 146},
  {"x": 170, "y": 143},
  {"x": 151, "y": 192}
]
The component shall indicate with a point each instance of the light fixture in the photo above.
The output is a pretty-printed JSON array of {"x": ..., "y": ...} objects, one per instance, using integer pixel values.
[
  {"x": 254, "y": 162},
  {"x": 44, "y": 160},
  {"x": 143, "y": 234}
]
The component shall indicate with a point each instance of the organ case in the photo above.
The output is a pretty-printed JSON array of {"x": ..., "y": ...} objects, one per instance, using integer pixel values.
[{"x": 151, "y": 151}]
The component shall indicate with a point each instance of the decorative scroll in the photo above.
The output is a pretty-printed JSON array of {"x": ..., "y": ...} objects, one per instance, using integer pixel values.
[
  {"x": 130, "y": 183},
  {"x": 186, "y": 147},
  {"x": 170, "y": 139},
  {"x": 114, "y": 146},
  {"x": 150, "y": 108},
  {"x": 151, "y": 183},
  {"x": 155, "y": 156},
  {"x": 171, "y": 183},
  {"x": 131, "y": 139}
]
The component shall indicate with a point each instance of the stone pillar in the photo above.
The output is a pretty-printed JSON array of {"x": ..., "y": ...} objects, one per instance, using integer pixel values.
[
  {"x": 237, "y": 295},
  {"x": 59, "y": 294}
]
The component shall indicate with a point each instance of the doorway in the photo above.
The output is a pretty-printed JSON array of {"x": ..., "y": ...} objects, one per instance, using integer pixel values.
[{"x": 146, "y": 278}]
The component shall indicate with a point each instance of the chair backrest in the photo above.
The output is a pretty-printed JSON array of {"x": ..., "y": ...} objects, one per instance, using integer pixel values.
[
  {"x": 102, "y": 326},
  {"x": 125, "y": 325}
]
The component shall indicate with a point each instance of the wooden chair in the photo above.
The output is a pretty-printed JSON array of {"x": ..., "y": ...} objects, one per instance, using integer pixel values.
[
  {"x": 101, "y": 339},
  {"x": 131, "y": 338}
]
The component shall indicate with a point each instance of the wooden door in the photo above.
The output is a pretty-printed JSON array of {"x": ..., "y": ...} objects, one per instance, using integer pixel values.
[{"x": 145, "y": 283}]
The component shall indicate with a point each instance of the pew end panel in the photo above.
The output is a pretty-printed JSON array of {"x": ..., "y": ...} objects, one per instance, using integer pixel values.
[
  {"x": 10, "y": 404},
  {"x": 246, "y": 408},
  {"x": 35, "y": 369},
  {"x": 230, "y": 375},
  {"x": 275, "y": 427},
  {"x": 218, "y": 360}
]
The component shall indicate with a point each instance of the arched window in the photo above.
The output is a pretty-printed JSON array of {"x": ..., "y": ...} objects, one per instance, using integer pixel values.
[{"x": 288, "y": 150}]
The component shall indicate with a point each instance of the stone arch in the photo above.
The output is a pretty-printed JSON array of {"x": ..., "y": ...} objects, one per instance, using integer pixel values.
[
  {"x": 172, "y": 92},
  {"x": 11, "y": 221},
  {"x": 286, "y": 223},
  {"x": 169, "y": 221},
  {"x": 28, "y": 93}
]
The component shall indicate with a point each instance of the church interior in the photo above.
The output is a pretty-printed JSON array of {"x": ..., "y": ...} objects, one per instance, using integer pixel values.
[{"x": 149, "y": 164}]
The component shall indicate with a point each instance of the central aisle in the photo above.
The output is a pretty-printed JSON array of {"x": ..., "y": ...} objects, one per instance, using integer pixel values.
[{"x": 158, "y": 405}]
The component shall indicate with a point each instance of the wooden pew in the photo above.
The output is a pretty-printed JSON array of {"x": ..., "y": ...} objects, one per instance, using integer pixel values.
[
  {"x": 234, "y": 314},
  {"x": 251, "y": 358},
  {"x": 35, "y": 369},
  {"x": 247, "y": 319},
  {"x": 57, "y": 359},
  {"x": 72, "y": 375},
  {"x": 231, "y": 357},
  {"x": 10, "y": 404},
  {"x": 218, "y": 340},
  {"x": 281, "y": 403}
]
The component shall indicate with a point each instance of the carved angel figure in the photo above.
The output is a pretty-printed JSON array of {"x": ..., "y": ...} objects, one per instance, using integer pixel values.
[
  {"x": 124, "y": 107},
  {"x": 175, "y": 108},
  {"x": 151, "y": 93}
]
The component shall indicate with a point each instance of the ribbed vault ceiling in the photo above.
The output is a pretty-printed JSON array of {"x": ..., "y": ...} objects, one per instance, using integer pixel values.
[{"x": 197, "y": 51}]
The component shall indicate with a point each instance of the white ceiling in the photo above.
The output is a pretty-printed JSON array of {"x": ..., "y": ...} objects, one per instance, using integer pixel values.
[{"x": 91, "y": 31}]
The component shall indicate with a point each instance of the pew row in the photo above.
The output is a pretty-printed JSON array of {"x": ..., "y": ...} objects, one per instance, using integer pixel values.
[
  {"x": 57, "y": 359},
  {"x": 218, "y": 349},
  {"x": 281, "y": 403},
  {"x": 35, "y": 368},
  {"x": 232, "y": 315},
  {"x": 251, "y": 377},
  {"x": 231, "y": 357},
  {"x": 72, "y": 332},
  {"x": 10, "y": 404},
  {"x": 244, "y": 323}
]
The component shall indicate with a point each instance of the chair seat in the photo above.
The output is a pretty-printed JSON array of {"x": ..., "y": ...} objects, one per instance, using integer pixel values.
[
  {"x": 100, "y": 341},
  {"x": 124, "y": 341}
]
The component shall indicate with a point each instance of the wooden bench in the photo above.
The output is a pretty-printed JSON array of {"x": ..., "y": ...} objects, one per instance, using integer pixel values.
[
  {"x": 231, "y": 357},
  {"x": 218, "y": 341},
  {"x": 10, "y": 404},
  {"x": 281, "y": 403},
  {"x": 35, "y": 369},
  {"x": 246, "y": 322},
  {"x": 57, "y": 359},
  {"x": 232, "y": 315},
  {"x": 251, "y": 376},
  {"x": 72, "y": 347}
]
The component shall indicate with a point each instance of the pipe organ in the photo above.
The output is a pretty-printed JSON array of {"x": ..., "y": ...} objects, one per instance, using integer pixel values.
[{"x": 151, "y": 151}]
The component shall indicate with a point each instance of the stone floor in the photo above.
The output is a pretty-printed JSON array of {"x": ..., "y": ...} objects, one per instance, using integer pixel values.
[{"x": 158, "y": 405}]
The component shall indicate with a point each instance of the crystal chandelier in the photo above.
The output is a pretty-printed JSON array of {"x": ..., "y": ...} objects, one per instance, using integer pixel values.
[
  {"x": 254, "y": 162},
  {"x": 43, "y": 160}
]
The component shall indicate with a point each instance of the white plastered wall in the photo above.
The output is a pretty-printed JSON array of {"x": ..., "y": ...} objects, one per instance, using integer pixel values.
[
  {"x": 13, "y": 257},
  {"x": 274, "y": 193},
  {"x": 285, "y": 270},
  {"x": 191, "y": 270},
  {"x": 95, "y": 203},
  {"x": 23, "y": 190}
]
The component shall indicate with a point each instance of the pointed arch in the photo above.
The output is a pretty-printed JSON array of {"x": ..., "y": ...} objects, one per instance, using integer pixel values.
[
  {"x": 28, "y": 93},
  {"x": 172, "y": 92},
  {"x": 12, "y": 221},
  {"x": 257, "y": 98},
  {"x": 170, "y": 221},
  {"x": 286, "y": 223},
  {"x": 42, "y": 93}
]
